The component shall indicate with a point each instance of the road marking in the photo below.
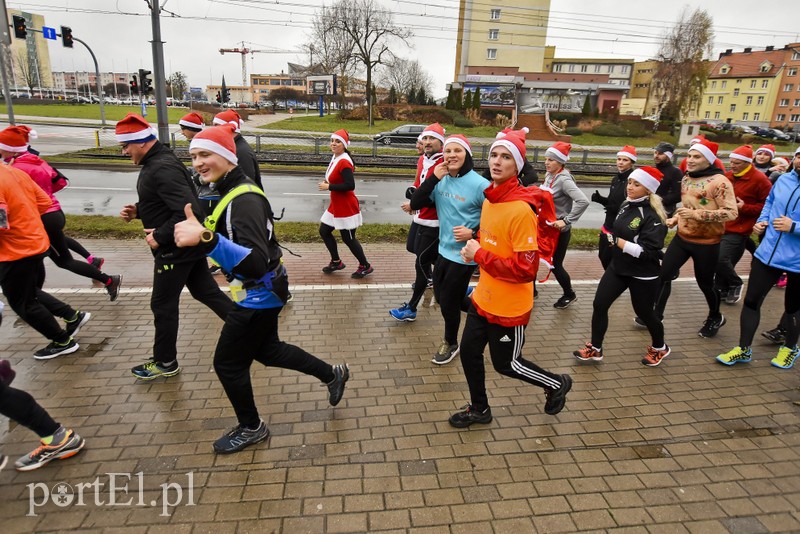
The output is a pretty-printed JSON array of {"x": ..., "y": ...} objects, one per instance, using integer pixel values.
[
  {"x": 99, "y": 188},
  {"x": 324, "y": 195}
]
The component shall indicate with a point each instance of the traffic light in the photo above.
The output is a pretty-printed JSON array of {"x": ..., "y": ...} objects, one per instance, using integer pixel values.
[
  {"x": 219, "y": 98},
  {"x": 227, "y": 96},
  {"x": 20, "y": 29},
  {"x": 145, "y": 82},
  {"x": 66, "y": 36},
  {"x": 134, "y": 86}
]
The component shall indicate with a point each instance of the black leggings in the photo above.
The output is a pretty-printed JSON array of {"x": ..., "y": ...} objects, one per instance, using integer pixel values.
[
  {"x": 643, "y": 297},
  {"x": 74, "y": 246},
  {"x": 561, "y": 274},
  {"x": 450, "y": 283},
  {"x": 705, "y": 259},
  {"x": 762, "y": 278},
  {"x": 426, "y": 248},
  {"x": 59, "y": 250},
  {"x": 348, "y": 238},
  {"x": 19, "y": 406},
  {"x": 252, "y": 335}
]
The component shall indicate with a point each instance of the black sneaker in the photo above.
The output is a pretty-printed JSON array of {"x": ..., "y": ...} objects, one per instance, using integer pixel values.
[
  {"x": 54, "y": 350},
  {"x": 776, "y": 335},
  {"x": 74, "y": 326},
  {"x": 638, "y": 322},
  {"x": 215, "y": 269},
  {"x": 711, "y": 327},
  {"x": 97, "y": 262},
  {"x": 362, "y": 271},
  {"x": 445, "y": 353},
  {"x": 240, "y": 437},
  {"x": 465, "y": 418},
  {"x": 153, "y": 369},
  {"x": 113, "y": 287},
  {"x": 333, "y": 266},
  {"x": 734, "y": 295},
  {"x": 557, "y": 398},
  {"x": 565, "y": 301},
  {"x": 341, "y": 374}
]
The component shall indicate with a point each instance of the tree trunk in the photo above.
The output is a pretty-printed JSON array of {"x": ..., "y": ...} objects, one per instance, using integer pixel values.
[{"x": 369, "y": 93}]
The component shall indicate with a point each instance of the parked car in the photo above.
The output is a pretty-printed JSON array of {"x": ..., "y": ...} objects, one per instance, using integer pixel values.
[
  {"x": 780, "y": 135},
  {"x": 746, "y": 130},
  {"x": 406, "y": 134},
  {"x": 772, "y": 133}
]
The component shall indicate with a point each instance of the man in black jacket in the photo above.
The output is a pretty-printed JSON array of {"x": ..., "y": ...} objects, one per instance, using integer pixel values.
[
  {"x": 670, "y": 188},
  {"x": 247, "y": 158},
  {"x": 164, "y": 188}
]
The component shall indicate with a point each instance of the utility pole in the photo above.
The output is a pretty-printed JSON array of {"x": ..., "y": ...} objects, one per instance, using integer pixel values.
[
  {"x": 5, "y": 42},
  {"x": 159, "y": 79}
]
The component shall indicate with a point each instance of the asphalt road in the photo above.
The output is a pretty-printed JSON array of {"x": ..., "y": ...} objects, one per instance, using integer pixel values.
[{"x": 105, "y": 192}]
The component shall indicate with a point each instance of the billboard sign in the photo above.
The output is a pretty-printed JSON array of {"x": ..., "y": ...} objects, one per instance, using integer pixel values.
[
  {"x": 493, "y": 95},
  {"x": 321, "y": 85}
]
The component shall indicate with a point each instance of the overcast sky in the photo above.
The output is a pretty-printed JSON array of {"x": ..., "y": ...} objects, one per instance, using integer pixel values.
[{"x": 119, "y": 31}]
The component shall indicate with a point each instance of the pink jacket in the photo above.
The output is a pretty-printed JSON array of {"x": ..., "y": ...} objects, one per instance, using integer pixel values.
[{"x": 40, "y": 172}]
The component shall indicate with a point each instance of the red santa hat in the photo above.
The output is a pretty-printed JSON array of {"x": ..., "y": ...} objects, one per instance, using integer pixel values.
[
  {"x": 342, "y": 136},
  {"x": 218, "y": 140},
  {"x": 134, "y": 129},
  {"x": 707, "y": 148},
  {"x": 559, "y": 152},
  {"x": 459, "y": 140},
  {"x": 229, "y": 116},
  {"x": 628, "y": 152},
  {"x": 433, "y": 130},
  {"x": 27, "y": 132},
  {"x": 14, "y": 139},
  {"x": 770, "y": 149},
  {"x": 697, "y": 139},
  {"x": 649, "y": 177},
  {"x": 744, "y": 153},
  {"x": 514, "y": 142},
  {"x": 192, "y": 121}
]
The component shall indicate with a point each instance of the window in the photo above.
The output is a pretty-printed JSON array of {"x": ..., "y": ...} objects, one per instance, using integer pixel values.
[
  {"x": 753, "y": 84},
  {"x": 756, "y": 116},
  {"x": 733, "y": 108},
  {"x": 584, "y": 68},
  {"x": 748, "y": 101},
  {"x": 625, "y": 69},
  {"x": 760, "y": 101},
  {"x": 739, "y": 81},
  {"x": 716, "y": 115},
  {"x": 794, "y": 118},
  {"x": 745, "y": 116},
  {"x": 708, "y": 115},
  {"x": 788, "y": 87},
  {"x": 796, "y": 102},
  {"x": 719, "y": 100},
  {"x": 597, "y": 69},
  {"x": 495, "y": 14},
  {"x": 765, "y": 67},
  {"x": 792, "y": 72},
  {"x": 494, "y": 35},
  {"x": 610, "y": 69},
  {"x": 724, "y": 70},
  {"x": 557, "y": 68},
  {"x": 784, "y": 102},
  {"x": 795, "y": 56},
  {"x": 735, "y": 92},
  {"x": 780, "y": 117},
  {"x": 724, "y": 84},
  {"x": 571, "y": 68},
  {"x": 714, "y": 84},
  {"x": 491, "y": 53},
  {"x": 764, "y": 84},
  {"x": 710, "y": 100}
]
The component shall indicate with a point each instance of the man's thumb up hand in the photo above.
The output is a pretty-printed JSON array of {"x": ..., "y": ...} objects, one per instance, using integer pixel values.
[{"x": 187, "y": 233}]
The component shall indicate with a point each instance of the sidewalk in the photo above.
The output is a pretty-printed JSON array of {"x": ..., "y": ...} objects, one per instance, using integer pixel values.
[{"x": 689, "y": 446}]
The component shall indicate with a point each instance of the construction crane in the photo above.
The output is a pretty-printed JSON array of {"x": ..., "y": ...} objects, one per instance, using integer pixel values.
[{"x": 244, "y": 51}]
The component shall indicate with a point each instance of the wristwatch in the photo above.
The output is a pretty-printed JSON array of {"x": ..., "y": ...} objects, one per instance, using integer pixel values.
[{"x": 206, "y": 236}]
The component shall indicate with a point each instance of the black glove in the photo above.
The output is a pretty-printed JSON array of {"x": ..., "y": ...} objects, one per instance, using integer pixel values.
[
  {"x": 612, "y": 241},
  {"x": 597, "y": 197},
  {"x": 409, "y": 192}
]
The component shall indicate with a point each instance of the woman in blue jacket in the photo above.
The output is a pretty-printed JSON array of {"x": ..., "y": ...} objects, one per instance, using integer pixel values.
[{"x": 778, "y": 252}]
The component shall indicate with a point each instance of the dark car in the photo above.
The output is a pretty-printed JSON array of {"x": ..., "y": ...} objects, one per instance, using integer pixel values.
[
  {"x": 772, "y": 133},
  {"x": 406, "y": 134}
]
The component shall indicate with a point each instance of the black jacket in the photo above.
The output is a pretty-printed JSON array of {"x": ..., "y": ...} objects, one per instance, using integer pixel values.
[
  {"x": 251, "y": 225},
  {"x": 164, "y": 188},
  {"x": 638, "y": 223},
  {"x": 616, "y": 196},
  {"x": 247, "y": 160},
  {"x": 670, "y": 188}
]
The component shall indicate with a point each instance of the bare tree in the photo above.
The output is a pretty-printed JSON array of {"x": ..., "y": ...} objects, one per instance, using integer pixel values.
[
  {"x": 682, "y": 72},
  {"x": 27, "y": 69},
  {"x": 372, "y": 31},
  {"x": 330, "y": 50},
  {"x": 404, "y": 75},
  {"x": 177, "y": 84}
]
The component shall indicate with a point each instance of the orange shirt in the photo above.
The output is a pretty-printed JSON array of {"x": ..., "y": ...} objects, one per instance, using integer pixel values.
[
  {"x": 506, "y": 228},
  {"x": 24, "y": 202}
]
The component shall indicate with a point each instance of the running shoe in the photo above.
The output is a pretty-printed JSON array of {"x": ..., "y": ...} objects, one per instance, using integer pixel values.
[
  {"x": 469, "y": 415},
  {"x": 557, "y": 398},
  {"x": 734, "y": 295},
  {"x": 44, "y": 454},
  {"x": 362, "y": 271},
  {"x": 776, "y": 335},
  {"x": 240, "y": 437},
  {"x": 786, "y": 357},
  {"x": 152, "y": 370},
  {"x": 736, "y": 355},
  {"x": 96, "y": 262},
  {"x": 637, "y": 321},
  {"x": 565, "y": 301},
  {"x": 54, "y": 350},
  {"x": 470, "y": 291},
  {"x": 341, "y": 374},
  {"x": 589, "y": 353},
  {"x": 333, "y": 266},
  {"x": 403, "y": 313},
  {"x": 654, "y": 356},
  {"x": 445, "y": 353},
  {"x": 3, "y": 461},
  {"x": 73, "y": 327},
  {"x": 711, "y": 327},
  {"x": 781, "y": 281},
  {"x": 113, "y": 287}
]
